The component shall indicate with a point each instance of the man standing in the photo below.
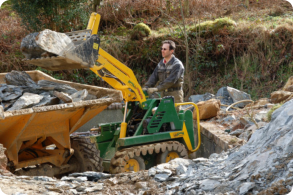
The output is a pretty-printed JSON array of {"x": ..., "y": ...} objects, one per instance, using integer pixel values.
[{"x": 169, "y": 73}]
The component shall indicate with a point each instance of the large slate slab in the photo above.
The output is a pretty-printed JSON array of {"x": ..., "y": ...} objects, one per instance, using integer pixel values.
[
  {"x": 10, "y": 92},
  {"x": 25, "y": 101},
  {"x": 55, "y": 86},
  {"x": 20, "y": 78}
]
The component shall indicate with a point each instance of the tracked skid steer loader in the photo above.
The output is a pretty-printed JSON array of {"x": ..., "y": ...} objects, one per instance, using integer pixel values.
[{"x": 152, "y": 131}]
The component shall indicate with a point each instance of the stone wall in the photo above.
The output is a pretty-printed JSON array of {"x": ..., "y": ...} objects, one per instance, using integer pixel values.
[{"x": 212, "y": 140}]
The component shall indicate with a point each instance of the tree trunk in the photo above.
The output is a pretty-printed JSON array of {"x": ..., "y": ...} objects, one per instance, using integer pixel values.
[
  {"x": 161, "y": 2},
  {"x": 186, "y": 8},
  {"x": 188, "y": 69},
  {"x": 95, "y": 4},
  {"x": 168, "y": 6}
]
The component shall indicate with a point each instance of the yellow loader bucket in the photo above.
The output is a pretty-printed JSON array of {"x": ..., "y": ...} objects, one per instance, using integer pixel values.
[
  {"x": 83, "y": 54},
  {"x": 28, "y": 133}
]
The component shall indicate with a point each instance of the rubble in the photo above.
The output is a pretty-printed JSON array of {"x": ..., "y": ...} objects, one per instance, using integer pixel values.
[
  {"x": 237, "y": 96},
  {"x": 224, "y": 96},
  {"x": 20, "y": 92},
  {"x": 263, "y": 165},
  {"x": 198, "y": 98},
  {"x": 25, "y": 101},
  {"x": 260, "y": 166}
]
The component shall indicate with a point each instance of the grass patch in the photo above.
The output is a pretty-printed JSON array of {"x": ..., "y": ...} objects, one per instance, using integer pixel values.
[
  {"x": 140, "y": 31},
  {"x": 271, "y": 111},
  {"x": 209, "y": 27}
]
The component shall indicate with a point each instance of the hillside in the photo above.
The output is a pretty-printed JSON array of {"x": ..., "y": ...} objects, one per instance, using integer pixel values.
[{"x": 245, "y": 45}]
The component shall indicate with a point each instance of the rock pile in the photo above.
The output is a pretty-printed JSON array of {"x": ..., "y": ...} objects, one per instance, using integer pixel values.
[
  {"x": 263, "y": 166},
  {"x": 20, "y": 92}
]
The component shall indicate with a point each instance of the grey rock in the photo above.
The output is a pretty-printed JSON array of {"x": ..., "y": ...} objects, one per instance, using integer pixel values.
[
  {"x": 47, "y": 100},
  {"x": 152, "y": 171},
  {"x": 79, "y": 96},
  {"x": 10, "y": 92},
  {"x": 237, "y": 132},
  {"x": 97, "y": 187},
  {"x": 25, "y": 101},
  {"x": 17, "y": 193},
  {"x": 246, "y": 121},
  {"x": 63, "y": 184},
  {"x": 170, "y": 192},
  {"x": 141, "y": 192},
  {"x": 192, "y": 192},
  {"x": 209, "y": 184},
  {"x": 198, "y": 98},
  {"x": 74, "y": 191},
  {"x": 29, "y": 47},
  {"x": 80, "y": 188},
  {"x": 141, "y": 185},
  {"x": 173, "y": 185},
  {"x": 55, "y": 86},
  {"x": 63, "y": 96},
  {"x": 91, "y": 175},
  {"x": 189, "y": 186},
  {"x": 180, "y": 161},
  {"x": 201, "y": 159},
  {"x": 23, "y": 177},
  {"x": 78, "y": 179},
  {"x": 113, "y": 181},
  {"x": 20, "y": 78},
  {"x": 261, "y": 116},
  {"x": 92, "y": 97},
  {"x": 43, "y": 178},
  {"x": 181, "y": 169},
  {"x": 245, "y": 187},
  {"x": 224, "y": 96},
  {"x": 228, "y": 119},
  {"x": 237, "y": 95},
  {"x": 54, "y": 42},
  {"x": 162, "y": 177},
  {"x": 54, "y": 189}
]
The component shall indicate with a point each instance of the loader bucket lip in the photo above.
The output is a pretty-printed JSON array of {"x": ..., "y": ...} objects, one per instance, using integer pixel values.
[{"x": 55, "y": 63}]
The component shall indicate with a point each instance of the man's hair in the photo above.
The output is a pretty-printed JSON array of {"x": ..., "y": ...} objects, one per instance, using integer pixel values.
[{"x": 172, "y": 45}]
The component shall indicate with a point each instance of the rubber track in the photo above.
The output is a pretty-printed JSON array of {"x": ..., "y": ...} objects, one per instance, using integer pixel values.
[
  {"x": 118, "y": 162},
  {"x": 91, "y": 160}
]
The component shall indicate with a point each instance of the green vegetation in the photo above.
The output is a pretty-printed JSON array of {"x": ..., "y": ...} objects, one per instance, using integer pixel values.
[
  {"x": 210, "y": 27},
  {"x": 61, "y": 16},
  {"x": 275, "y": 107},
  {"x": 140, "y": 31}
]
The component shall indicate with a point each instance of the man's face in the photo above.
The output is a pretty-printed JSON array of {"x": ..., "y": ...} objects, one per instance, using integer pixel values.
[{"x": 166, "y": 52}]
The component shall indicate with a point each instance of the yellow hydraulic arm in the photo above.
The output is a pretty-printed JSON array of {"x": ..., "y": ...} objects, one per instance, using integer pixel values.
[{"x": 118, "y": 75}]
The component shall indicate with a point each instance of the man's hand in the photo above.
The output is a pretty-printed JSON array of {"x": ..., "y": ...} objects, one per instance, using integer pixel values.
[
  {"x": 144, "y": 89},
  {"x": 152, "y": 90}
]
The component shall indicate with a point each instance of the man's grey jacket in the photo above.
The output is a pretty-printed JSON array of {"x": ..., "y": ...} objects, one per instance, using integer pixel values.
[{"x": 170, "y": 75}]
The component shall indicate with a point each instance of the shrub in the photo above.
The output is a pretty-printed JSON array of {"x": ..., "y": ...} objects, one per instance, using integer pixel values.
[
  {"x": 59, "y": 16},
  {"x": 140, "y": 31},
  {"x": 209, "y": 27}
]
